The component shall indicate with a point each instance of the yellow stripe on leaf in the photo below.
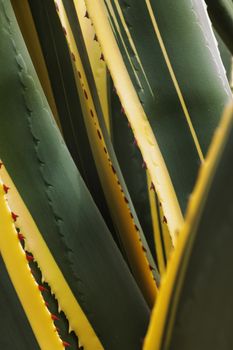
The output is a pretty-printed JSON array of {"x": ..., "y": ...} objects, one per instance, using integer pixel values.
[
  {"x": 117, "y": 202},
  {"x": 98, "y": 66},
  {"x": 23, "y": 281},
  {"x": 25, "y": 21},
  {"x": 51, "y": 273},
  {"x": 178, "y": 260},
  {"x": 174, "y": 79},
  {"x": 136, "y": 116}
]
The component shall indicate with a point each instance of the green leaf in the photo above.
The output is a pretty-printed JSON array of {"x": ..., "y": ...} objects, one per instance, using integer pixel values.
[
  {"x": 221, "y": 14},
  {"x": 226, "y": 57},
  {"x": 15, "y": 330},
  {"x": 131, "y": 237},
  {"x": 139, "y": 185},
  {"x": 55, "y": 53},
  {"x": 195, "y": 302},
  {"x": 54, "y": 192},
  {"x": 181, "y": 86}
]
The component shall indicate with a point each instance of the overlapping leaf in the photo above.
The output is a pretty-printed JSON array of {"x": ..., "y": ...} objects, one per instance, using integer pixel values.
[{"x": 90, "y": 274}]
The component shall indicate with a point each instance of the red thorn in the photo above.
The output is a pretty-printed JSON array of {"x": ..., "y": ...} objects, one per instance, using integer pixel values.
[
  {"x": 86, "y": 15},
  {"x": 99, "y": 134},
  {"x": 129, "y": 125},
  {"x": 56, "y": 6},
  {"x": 165, "y": 219},
  {"x": 1, "y": 164},
  {"x": 57, "y": 329},
  {"x": 95, "y": 38},
  {"x": 113, "y": 169},
  {"x": 21, "y": 237},
  {"x": 46, "y": 303},
  {"x": 151, "y": 268},
  {"x": 85, "y": 93},
  {"x": 73, "y": 56},
  {"x": 152, "y": 186},
  {"x": 29, "y": 257},
  {"x": 122, "y": 110},
  {"x": 64, "y": 30},
  {"x": 6, "y": 188},
  {"x": 102, "y": 57},
  {"x": 54, "y": 317},
  {"x": 144, "y": 166},
  {"x": 42, "y": 288},
  {"x": 14, "y": 216},
  {"x": 66, "y": 344}
]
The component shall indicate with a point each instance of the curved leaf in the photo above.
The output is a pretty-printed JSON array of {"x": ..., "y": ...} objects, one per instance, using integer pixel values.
[
  {"x": 15, "y": 331},
  {"x": 54, "y": 52},
  {"x": 194, "y": 307},
  {"x": 139, "y": 184},
  {"x": 75, "y": 234},
  {"x": 173, "y": 117},
  {"x": 120, "y": 205}
]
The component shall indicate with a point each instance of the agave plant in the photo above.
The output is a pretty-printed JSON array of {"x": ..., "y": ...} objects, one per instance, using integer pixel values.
[{"x": 116, "y": 181}]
